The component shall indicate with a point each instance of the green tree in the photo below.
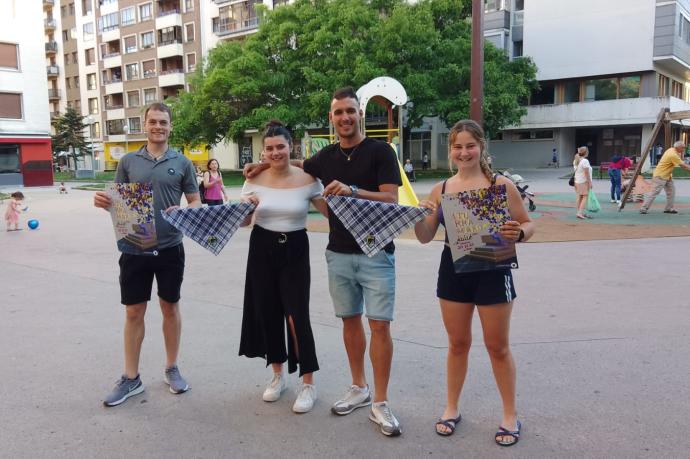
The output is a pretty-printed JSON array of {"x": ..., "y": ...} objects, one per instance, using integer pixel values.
[
  {"x": 303, "y": 51},
  {"x": 69, "y": 135}
]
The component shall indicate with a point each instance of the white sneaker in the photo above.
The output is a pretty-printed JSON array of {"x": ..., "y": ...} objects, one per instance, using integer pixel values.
[
  {"x": 355, "y": 397},
  {"x": 274, "y": 388},
  {"x": 618, "y": 201},
  {"x": 613, "y": 200},
  {"x": 305, "y": 399},
  {"x": 382, "y": 415}
]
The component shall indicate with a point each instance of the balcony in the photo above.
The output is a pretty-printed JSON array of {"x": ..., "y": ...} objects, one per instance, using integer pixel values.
[
  {"x": 110, "y": 34},
  {"x": 112, "y": 112},
  {"x": 53, "y": 94},
  {"x": 227, "y": 27},
  {"x": 113, "y": 86},
  {"x": 170, "y": 48},
  {"x": 53, "y": 71},
  {"x": 171, "y": 77},
  {"x": 112, "y": 60},
  {"x": 170, "y": 18},
  {"x": 48, "y": 4},
  {"x": 49, "y": 24},
  {"x": 51, "y": 48}
]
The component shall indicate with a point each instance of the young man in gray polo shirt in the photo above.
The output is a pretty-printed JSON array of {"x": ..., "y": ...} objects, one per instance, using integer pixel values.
[{"x": 171, "y": 175}]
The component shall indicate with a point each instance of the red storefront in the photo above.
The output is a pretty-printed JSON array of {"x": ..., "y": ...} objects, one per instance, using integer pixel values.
[{"x": 26, "y": 161}]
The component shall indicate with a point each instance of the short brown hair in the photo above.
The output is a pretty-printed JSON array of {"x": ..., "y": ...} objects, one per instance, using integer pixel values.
[
  {"x": 159, "y": 107},
  {"x": 347, "y": 92}
]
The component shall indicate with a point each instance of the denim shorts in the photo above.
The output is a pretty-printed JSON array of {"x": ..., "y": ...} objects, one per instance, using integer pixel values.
[{"x": 356, "y": 280}]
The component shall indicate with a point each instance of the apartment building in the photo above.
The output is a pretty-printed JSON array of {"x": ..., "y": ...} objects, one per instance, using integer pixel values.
[
  {"x": 25, "y": 153},
  {"x": 605, "y": 70}
]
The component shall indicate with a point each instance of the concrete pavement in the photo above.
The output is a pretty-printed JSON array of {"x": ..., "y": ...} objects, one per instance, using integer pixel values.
[{"x": 599, "y": 334}]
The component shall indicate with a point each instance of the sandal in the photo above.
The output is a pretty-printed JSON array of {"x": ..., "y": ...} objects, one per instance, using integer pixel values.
[
  {"x": 450, "y": 424},
  {"x": 503, "y": 432},
  {"x": 581, "y": 216}
]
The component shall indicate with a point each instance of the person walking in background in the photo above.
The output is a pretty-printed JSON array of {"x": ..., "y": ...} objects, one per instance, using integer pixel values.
[
  {"x": 14, "y": 208},
  {"x": 172, "y": 175},
  {"x": 425, "y": 161},
  {"x": 619, "y": 164},
  {"x": 491, "y": 292},
  {"x": 663, "y": 178},
  {"x": 554, "y": 158},
  {"x": 214, "y": 191},
  {"x": 276, "y": 291},
  {"x": 583, "y": 181},
  {"x": 409, "y": 171}
]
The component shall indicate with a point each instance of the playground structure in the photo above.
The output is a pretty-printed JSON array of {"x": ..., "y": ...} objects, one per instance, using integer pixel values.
[{"x": 388, "y": 93}]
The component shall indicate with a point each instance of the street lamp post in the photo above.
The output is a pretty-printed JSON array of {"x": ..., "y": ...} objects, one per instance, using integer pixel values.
[{"x": 90, "y": 120}]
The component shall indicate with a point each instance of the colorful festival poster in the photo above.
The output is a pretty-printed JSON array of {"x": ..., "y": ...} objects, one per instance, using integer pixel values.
[
  {"x": 473, "y": 220},
  {"x": 133, "y": 217}
]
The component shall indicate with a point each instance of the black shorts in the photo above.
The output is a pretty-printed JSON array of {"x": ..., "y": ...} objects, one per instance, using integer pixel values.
[
  {"x": 480, "y": 287},
  {"x": 137, "y": 272},
  {"x": 214, "y": 202}
]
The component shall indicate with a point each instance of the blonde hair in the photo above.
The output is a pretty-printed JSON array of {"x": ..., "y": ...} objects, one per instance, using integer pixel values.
[
  {"x": 582, "y": 152},
  {"x": 476, "y": 131}
]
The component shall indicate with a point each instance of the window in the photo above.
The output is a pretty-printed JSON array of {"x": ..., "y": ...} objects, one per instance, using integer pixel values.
[
  {"x": 96, "y": 129},
  {"x": 146, "y": 40},
  {"x": 133, "y": 98},
  {"x": 75, "y": 57},
  {"x": 90, "y": 56},
  {"x": 601, "y": 89},
  {"x": 663, "y": 86},
  {"x": 188, "y": 5},
  {"x": 493, "y": 5},
  {"x": 532, "y": 135},
  {"x": 76, "y": 81},
  {"x": 9, "y": 158},
  {"x": 130, "y": 44},
  {"x": 10, "y": 106},
  {"x": 128, "y": 16},
  {"x": 63, "y": 11},
  {"x": 85, "y": 7},
  {"x": 77, "y": 104},
  {"x": 132, "y": 71},
  {"x": 149, "y": 96},
  {"x": 108, "y": 22},
  {"x": 9, "y": 56},
  {"x": 68, "y": 83},
  {"x": 630, "y": 88},
  {"x": 517, "y": 49},
  {"x": 544, "y": 95},
  {"x": 88, "y": 30},
  {"x": 189, "y": 32},
  {"x": 66, "y": 58},
  {"x": 145, "y": 12},
  {"x": 169, "y": 35},
  {"x": 191, "y": 62},
  {"x": 106, "y": 2},
  {"x": 543, "y": 135},
  {"x": 93, "y": 105},
  {"x": 71, "y": 9},
  {"x": 91, "y": 81},
  {"x": 65, "y": 35},
  {"x": 134, "y": 125},
  {"x": 149, "y": 68},
  {"x": 519, "y": 5}
]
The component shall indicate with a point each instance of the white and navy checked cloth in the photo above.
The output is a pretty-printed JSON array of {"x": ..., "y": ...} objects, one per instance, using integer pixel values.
[
  {"x": 211, "y": 227},
  {"x": 374, "y": 224}
]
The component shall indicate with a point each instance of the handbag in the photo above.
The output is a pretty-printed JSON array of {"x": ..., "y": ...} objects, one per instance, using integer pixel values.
[{"x": 571, "y": 181}]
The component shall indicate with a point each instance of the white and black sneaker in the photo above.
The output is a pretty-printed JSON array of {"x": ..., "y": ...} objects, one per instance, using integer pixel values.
[
  {"x": 355, "y": 397},
  {"x": 382, "y": 415},
  {"x": 124, "y": 388}
]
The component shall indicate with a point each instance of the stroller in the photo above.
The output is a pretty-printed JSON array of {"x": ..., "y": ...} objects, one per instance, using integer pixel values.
[{"x": 519, "y": 181}]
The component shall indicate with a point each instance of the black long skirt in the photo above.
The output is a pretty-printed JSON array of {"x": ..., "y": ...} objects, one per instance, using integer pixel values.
[{"x": 276, "y": 288}]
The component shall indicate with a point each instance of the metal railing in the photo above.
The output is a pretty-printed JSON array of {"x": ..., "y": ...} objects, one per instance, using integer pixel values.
[
  {"x": 518, "y": 18},
  {"x": 225, "y": 27},
  {"x": 51, "y": 47},
  {"x": 53, "y": 93},
  {"x": 53, "y": 70},
  {"x": 171, "y": 71},
  {"x": 49, "y": 23},
  {"x": 114, "y": 106},
  {"x": 168, "y": 12},
  {"x": 113, "y": 80}
]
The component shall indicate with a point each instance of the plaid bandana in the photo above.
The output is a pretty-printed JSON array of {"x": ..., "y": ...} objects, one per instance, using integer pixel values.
[
  {"x": 374, "y": 224},
  {"x": 211, "y": 227}
]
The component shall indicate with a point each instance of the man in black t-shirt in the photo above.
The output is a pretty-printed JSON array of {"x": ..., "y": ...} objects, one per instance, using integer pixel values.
[{"x": 367, "y": 169}]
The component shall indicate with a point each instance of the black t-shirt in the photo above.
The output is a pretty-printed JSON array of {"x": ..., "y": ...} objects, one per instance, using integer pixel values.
[{"x": 371, "y": 163}]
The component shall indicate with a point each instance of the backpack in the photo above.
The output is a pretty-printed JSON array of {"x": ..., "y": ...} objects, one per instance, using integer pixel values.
[{"x": 202, "y": 192}]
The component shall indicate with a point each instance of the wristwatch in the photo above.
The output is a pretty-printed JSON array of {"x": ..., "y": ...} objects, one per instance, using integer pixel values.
[
  {"x": 521, "y": 236},
  {"x": 354, "y": 191}
]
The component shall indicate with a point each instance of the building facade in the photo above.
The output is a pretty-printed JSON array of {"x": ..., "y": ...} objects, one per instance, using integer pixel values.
[
  {"x": 605, "y": 70},
  {"x": 25, "y": 147}
]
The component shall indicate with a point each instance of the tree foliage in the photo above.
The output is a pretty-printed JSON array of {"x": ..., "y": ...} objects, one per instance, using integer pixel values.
[
  {"x": 303, "y": 51},
  {"x": 69, "y": 134}
]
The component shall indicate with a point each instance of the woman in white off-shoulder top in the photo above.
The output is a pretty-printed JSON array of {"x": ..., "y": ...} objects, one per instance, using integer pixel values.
[{"x": 276, "y": 294}]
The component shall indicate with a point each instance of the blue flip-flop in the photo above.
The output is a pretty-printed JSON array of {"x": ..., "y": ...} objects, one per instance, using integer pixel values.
[{"x": 502, "y": 432}]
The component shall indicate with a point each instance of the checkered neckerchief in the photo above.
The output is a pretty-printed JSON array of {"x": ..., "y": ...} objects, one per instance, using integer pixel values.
[
  {"x": 211, "y": 227},
  {"x": 374, "y": 224}
]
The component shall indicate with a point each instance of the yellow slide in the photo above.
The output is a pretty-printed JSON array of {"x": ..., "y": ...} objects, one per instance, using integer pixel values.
[{"x": 406, "y": 195}]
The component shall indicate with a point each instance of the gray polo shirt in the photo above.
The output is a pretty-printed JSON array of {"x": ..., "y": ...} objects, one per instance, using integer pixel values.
[{"x": 172, "y": 175}]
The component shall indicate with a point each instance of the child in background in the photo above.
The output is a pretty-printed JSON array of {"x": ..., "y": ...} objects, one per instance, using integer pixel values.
[
  {"x": 62, "y": 188},
  {"x": 14, "y": 208}
]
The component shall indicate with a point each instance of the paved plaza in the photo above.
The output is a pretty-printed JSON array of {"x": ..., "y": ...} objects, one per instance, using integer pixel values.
[{"x": 600, "y": 334}]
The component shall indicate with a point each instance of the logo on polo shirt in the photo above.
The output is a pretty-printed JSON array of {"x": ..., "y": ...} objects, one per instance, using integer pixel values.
[{"x": 171, "y": 171}]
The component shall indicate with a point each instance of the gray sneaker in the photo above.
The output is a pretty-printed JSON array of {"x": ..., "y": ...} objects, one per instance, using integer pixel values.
[
  {"x": 124, "y": 388},
  {"x": 355, "y": 397},
  {"x": 175, "y": 380},
  {"x": 382, "y": 415}
]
